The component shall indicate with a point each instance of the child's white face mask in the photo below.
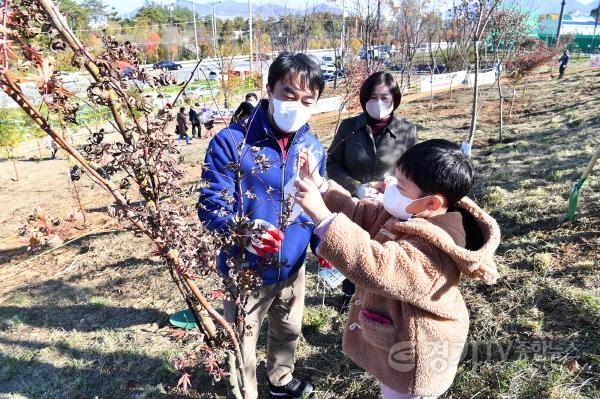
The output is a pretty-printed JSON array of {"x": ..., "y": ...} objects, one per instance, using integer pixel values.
[{"x": 396, "y": 203}]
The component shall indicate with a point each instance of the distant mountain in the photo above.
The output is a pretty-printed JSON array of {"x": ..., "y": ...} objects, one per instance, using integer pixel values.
[
  {"x": 553, "y": 6},
  {"x": 232, "y": 9}
]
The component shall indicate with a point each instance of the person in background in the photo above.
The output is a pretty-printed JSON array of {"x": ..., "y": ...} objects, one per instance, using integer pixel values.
[
  {"x": 182, "y": 126},
  {"x": 51, "y": 146},
  {"x": 252, "y": 98},
  {"x": 562, "y": 64},
  {"x": 277, "y": 132},
  {"x": 243, "y": 113},
  {"x": 195, "y": 121},
  {"x": 206, "y": 117},
  {"x": 367, "y": 147}
]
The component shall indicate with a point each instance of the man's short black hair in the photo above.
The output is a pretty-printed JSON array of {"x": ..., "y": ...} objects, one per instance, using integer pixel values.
[
  {"x": 182, "y": 109},
  {"x": 377, "y": 78},
  {"x": 309, "y": 70},
  {"x": 250, "y": 95},
  {"x": 438, "y": 167}
]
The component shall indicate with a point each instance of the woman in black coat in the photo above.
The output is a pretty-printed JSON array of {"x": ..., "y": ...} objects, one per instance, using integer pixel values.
[{"x": 367, "y": 147}]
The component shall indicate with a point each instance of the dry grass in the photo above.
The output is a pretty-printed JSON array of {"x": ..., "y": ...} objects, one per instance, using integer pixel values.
[{"x": 91, "y": 319}]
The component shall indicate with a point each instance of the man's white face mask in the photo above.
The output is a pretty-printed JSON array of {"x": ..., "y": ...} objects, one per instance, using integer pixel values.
[{"x": 289, "y": 116}]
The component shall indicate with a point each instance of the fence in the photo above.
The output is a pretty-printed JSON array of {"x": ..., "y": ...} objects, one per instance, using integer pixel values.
[{"x": 455, "y": 80}]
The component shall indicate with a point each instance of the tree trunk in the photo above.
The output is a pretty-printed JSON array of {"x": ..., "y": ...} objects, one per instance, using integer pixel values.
[
  {"x": 14, "y": 162},
  {"x": 79, "y": 203},
  {"x": 501, "y": 98},
  {"x": 39, "y": 148},
  {"x": 475, "y": 106},
  {"x": 512, "y": 102},
  {"x": 525, "y": 89}
]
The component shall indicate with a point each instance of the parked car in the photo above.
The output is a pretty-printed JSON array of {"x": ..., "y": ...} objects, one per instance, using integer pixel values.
[
  {"x": 216, "y": 75},
  {"x": 422, "y": 69},
  {"x": 425, "y": 69},
  {"x": 390, "y": 66},
  {"x": 127, "y": 72},
  {"x": 328, "y": 68},
  {"x": 330, "y": 76},
  {"x": 167, "y": 65},
  {"x": 327, "y": 59},
  {"x": 261, "y": 57}
]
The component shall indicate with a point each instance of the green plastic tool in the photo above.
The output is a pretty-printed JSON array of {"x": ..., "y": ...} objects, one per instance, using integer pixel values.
[
  {"x": 183, "y": 319},
  {"x": 574, "y": 196}
]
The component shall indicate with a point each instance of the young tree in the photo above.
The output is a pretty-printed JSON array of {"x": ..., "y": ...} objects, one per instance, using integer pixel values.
[
  {"x": 140, "y": 169},
  {"x": 508, "y": 31},
  {"x": 533, "y": 55},
  {"x": 474, "y": 17},
  {"x": 10, "y": 137}
]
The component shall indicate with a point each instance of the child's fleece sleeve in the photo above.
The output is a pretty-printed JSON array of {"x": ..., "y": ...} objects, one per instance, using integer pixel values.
[
  {"x": 362, "y": 212},
  {"x": 397, "y": 269}
]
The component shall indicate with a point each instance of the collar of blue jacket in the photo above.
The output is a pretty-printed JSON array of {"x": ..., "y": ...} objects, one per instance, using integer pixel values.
[{"x": 264, "y": 185}]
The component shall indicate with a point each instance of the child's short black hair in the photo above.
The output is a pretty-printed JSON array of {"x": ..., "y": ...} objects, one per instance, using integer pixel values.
[
  {"x": 438, "y": 167},
  {"x": 377, "y": 78},
  {"x": 309, "y": 70}
]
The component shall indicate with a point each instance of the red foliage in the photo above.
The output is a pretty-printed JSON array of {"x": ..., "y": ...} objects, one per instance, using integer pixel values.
[
  {"x": 152, "y": 43},
  {"x": 528, "y": 60}
]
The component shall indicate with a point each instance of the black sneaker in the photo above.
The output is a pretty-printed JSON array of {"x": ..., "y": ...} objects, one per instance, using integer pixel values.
[
  {"x": 295, "y": 389},
  {"x": 345, "y": 303}
]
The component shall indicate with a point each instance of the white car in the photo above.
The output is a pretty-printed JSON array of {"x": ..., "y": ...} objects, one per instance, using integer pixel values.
[{"x": 328, "y": 68}]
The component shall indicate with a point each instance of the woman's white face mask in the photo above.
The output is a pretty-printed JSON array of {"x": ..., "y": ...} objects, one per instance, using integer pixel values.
[
  {"x": 289, "y": 116},
  {"x": 378, "y": 109}
]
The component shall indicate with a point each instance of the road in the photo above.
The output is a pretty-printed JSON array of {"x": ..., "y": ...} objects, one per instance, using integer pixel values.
[
  {"x": 79, "y": 81},
  {"x": 239, "y": 63}
]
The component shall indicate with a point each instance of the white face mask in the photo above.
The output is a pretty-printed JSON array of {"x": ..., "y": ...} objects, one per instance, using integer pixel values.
[
  {"x": 396, "y": 203},
  {"x": 290, "y": 116},
  {"x": 378, "y": 109}
]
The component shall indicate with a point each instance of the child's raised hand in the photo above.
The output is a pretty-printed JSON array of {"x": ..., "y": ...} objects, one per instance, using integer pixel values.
[
  {"x": 309, "y": 198},
  {"x": 307, "y": 165}
]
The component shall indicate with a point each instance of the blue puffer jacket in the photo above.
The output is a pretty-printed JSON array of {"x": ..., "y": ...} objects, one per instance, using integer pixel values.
[{"x": 268, "y": 187}]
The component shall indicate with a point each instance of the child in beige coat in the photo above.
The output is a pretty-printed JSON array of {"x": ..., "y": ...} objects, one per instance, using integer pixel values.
[{"x": 408, "y": 322}]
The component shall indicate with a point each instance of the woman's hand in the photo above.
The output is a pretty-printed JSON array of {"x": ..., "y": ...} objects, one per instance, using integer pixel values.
[
  {"x": 307, "y": 165},
  {"x": 309, "y": 198}
]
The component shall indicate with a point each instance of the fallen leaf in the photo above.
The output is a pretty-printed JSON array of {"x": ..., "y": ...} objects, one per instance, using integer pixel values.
[
  {"x": 184, "y": 381},
  {"x": 573, "y": 366}
]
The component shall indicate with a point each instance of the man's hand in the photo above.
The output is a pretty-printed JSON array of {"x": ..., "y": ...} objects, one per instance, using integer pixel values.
[
  {"x": 307, "y": 165},
  {"x": 265, "y": 239},
  {"x": 309, "y": 198}
]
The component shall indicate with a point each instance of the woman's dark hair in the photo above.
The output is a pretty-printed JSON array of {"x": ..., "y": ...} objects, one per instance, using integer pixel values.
[
  {"x": 243, "y": 111},
  {"x": 300, "y": 63},
  {"x": 377, "y": 78},
  {"x": 438, "y": 167},
  {"x": 182, "y": 109}
]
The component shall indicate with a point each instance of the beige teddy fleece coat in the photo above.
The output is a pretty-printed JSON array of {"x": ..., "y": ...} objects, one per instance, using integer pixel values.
[{"x": 407, "y": 272}]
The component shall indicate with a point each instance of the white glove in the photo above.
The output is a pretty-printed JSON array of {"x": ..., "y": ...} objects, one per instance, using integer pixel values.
[{"x": 365, "y": 192}]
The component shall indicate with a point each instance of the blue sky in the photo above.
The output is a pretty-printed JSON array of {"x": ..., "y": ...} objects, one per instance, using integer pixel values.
[{"x": 124, "y": 7}]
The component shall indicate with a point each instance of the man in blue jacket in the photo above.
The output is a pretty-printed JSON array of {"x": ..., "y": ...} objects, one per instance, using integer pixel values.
[{"x": 266, "y": 150}]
